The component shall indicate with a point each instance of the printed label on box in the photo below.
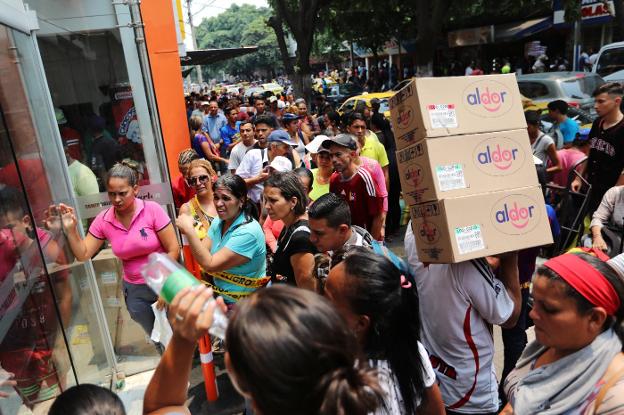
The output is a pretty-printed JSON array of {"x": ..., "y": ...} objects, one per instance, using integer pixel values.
[
  {"x": 109, "y": 278},
  {"x": 442, "y": 115},
  {"x": 469, "y": 239},
  {"x": 450, "y": 177}
]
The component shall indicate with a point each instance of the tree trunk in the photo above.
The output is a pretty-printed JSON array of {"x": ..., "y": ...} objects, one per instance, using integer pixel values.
[
  {"x": 276, "y": 23},
  {"x": 619, "y": 16},
  {"x": 430, "y": 18}
]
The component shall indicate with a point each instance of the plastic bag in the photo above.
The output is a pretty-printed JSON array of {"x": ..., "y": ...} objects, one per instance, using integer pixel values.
[{"x": 162, "y": 332}]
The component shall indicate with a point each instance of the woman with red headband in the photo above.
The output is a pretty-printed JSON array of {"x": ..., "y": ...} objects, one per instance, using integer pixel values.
[{"x": 575, "y": 365}]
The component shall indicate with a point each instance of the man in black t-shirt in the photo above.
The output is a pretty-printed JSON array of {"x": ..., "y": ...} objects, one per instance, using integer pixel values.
[{"x": 605, "y": 164}]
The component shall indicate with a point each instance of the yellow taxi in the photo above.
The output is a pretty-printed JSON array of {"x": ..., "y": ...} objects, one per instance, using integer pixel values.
[
  {"x": 353, "y": 102},
  {"x": 317, "y": 84}
]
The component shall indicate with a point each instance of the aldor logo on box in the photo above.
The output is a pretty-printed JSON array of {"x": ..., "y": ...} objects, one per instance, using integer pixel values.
[
  {"x": 428, "y": 232},
  {"x": 404, "y": 116},
  {"x": 488, "y": 98},
  {"x": 515, "y": 214},
  {"x": 498, "y": 156},
  {"x": 414, "y": 175}
]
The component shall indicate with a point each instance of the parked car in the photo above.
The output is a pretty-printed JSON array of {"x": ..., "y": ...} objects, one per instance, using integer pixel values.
[
  {"x": 273, "y": 87},
  {"x": 340, "y": 92},
  {"x": 610, "y": 62},
  {"x": 575, "y": 88},
  {"x": 353, "y": 102}
]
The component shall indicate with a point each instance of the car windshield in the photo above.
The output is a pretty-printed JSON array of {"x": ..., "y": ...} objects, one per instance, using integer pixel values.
[
  {"x": 350, "y": 89},
  {"x": 610, "y": 61},
  {"x": 383, "y": 105},
  {"x": 581, "y": 87}
]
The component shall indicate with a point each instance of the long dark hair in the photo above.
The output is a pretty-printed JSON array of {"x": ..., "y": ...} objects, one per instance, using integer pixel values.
[
  {"x": 375, "y": 290},
  {"x": 291, "y": 351},
  {"x": 582, "y": 304},
  {"x": 236, "y": 185},
  {"x": 87, "y": 399}
]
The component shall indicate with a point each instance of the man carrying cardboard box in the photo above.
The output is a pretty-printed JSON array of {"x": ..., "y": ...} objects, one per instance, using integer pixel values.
[
  {"x": 458, "y": 303},
  {"x": 355, "y": 185}
]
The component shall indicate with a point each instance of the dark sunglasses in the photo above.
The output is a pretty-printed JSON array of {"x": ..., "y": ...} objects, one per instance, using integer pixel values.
[{"x": 198, "y": 179}]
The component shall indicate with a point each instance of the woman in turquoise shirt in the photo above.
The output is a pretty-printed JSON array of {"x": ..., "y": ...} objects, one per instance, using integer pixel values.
[{"x": 234, "y": 251}]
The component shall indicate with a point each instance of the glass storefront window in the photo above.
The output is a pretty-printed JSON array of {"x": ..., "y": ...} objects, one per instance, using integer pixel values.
[{"x": 73, "y": 101}]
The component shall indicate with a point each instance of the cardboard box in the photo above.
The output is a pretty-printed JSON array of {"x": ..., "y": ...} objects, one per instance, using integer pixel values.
[
  {"x": 436, "y": 107},
  {"x": 465, "y": 165},
  {"x": 458, "y": 229}
]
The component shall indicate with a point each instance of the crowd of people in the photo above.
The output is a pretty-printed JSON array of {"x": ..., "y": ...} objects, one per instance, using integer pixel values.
[{"x": 287, "y": 214}]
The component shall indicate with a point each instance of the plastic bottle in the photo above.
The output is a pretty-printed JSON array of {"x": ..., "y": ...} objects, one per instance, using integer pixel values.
[{"x": 166, "y": 277}]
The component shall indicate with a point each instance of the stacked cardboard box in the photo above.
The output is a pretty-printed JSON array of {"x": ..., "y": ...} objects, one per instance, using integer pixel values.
[{"x": 466, "y": 167}]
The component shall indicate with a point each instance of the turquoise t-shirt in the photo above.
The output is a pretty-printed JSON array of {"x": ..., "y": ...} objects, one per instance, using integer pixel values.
[
  {"x": 569, "y": 128},
  {"x": 246, "y": 239}
]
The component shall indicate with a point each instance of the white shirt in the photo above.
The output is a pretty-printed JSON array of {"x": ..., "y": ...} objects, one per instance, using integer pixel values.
[
  {"x": 389, "y": 384},
  {"x": 458, "y": 302},
  {"x": 250, "y": 166},
  {"x": 237, "y": 154}
]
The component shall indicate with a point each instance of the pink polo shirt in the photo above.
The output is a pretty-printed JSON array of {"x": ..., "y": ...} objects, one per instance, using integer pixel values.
[{"x": 132, "y": 245}]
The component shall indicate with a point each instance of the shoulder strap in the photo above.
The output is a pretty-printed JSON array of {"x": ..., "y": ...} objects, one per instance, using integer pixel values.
[
  {"x": 199, "y": 213},
  {"x": 300, "y": 228},
  {"x": 605, "y": 388}
]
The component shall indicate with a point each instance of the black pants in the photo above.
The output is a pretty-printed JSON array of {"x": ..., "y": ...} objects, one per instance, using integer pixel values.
[
  {"x": 514, "y": 342},
  {"x": 393, "y": 219}
]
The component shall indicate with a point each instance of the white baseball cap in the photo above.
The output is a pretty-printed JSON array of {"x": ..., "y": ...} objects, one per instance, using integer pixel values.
[
  {"x": 314, "y": 146},
  {"x": 281, "y": 105},
  {"x": 281, "y": 164}
]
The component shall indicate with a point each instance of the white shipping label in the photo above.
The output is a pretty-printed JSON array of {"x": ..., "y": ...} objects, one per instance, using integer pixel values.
[
  {"x": 442, "y": 115},
  {"x": 450, "y": 177},
  {"x": 469, "y": 239}
]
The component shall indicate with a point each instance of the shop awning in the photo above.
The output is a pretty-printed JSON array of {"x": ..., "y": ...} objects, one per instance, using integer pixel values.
[
  {"x": 515, "y": 31},
  {"x": 208, "y": 56}
]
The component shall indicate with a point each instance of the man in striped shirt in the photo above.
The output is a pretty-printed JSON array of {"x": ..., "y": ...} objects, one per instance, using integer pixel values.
[
  {"x": 458, "y": 304},
  {"x": 355, "y": 185}
]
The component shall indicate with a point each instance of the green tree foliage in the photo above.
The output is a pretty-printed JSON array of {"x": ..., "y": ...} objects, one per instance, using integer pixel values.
[{"x": 243, "y": 25}]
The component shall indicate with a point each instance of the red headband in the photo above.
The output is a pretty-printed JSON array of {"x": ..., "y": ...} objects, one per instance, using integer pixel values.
[{"x": 587, "y": 280}]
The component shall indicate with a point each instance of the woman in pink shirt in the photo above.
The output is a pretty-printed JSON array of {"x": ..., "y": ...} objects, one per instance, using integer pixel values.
[{"x": 134, "y": 228}]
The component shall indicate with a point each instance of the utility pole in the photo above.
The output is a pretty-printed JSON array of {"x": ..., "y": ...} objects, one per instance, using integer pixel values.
[{"x": 200, "y": 78}]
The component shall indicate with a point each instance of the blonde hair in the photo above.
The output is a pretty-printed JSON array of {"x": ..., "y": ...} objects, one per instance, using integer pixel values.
[{"x": 205, "y": 164}]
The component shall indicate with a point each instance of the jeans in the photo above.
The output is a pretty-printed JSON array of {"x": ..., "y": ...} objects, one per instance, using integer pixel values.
[{"x": 139, "y": 299}]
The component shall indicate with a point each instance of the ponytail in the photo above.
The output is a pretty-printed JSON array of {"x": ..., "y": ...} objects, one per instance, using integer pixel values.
[
  {"x": 379, "y": 291},
  {"x": 350, "y": 391}
]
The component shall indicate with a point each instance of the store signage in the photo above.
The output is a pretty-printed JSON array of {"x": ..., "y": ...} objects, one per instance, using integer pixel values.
[
  {"x": 591, "y": 9},
  {"x": 90, "y": 206},
  {"x": 468, "y": 37}
]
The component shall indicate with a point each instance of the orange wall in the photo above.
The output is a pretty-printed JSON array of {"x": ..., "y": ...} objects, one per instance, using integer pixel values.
[{"x": 162, "y": 47}]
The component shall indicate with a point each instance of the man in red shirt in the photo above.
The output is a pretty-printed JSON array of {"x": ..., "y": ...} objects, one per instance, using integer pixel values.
[
  {"x": 182, "y": 192},
  {"x": 355, "y": 185}
]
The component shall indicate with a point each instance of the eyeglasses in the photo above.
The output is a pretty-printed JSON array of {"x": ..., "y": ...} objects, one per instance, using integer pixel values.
[{"x": 198, "y": 179}]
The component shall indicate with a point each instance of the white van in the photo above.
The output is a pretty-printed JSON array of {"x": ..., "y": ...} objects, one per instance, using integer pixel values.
[{"x": 610, "y": 62}]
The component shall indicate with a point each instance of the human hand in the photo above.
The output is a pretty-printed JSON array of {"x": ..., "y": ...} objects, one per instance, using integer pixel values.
[
  {"x": 599, "y": 243},
  {"x": 190, "y": 316},
  {"x": 262, "y": 176},
  {"x": 52, "y": 219},
  {"x": 576, "y": 185},
  {"x": 160, "y": 303},
  {"x": 6, "y": 382},
  {"x": 184, "y": 222},
  {"x": 68, "y": 216}
]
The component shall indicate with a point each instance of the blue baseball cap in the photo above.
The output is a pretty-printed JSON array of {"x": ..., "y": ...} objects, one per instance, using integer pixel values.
[
  {"x": 281, "y": 136},
  {"x": 290, "y": 117}
]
